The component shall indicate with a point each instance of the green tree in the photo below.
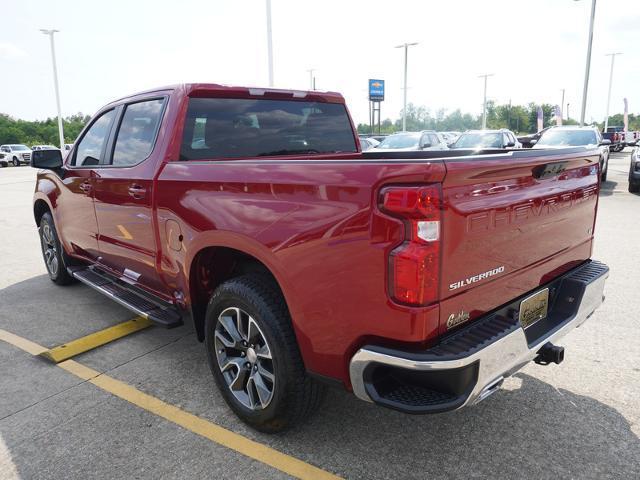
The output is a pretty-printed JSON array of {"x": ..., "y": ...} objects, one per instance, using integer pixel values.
[{"x": 40, "y": 131}]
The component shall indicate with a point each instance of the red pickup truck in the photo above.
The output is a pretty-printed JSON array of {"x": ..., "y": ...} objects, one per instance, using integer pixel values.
[{"x": 417, "y": 280}]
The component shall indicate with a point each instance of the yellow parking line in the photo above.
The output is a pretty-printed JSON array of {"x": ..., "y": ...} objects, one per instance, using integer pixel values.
[
  {"x": 97, "y": 339},
  {"x": 217, "y": 434}
]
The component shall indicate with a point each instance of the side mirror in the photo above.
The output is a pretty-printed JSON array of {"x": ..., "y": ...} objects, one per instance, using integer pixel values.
[
  {"x": 47, "y": 159},
  {"x": 510, "y": 145},
  {"x": 605, "y": 141},
  {"x": 533, "y": 141}
]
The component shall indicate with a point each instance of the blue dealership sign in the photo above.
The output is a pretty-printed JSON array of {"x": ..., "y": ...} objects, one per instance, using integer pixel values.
[{"x": 376, "y": 90}]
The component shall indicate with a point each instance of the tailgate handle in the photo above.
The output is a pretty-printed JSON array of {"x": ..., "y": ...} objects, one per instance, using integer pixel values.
[{"x": 549, "y": 170}]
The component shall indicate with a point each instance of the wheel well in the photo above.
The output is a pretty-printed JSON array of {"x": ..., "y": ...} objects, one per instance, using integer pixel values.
[
  {"x": 39, "y": 209},
  {"x": 212, "y": 266}
]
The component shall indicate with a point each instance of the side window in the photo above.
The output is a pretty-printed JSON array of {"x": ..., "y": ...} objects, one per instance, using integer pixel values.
[
  {"x": 434, "y": 140},
  {"x": 137, "y": 132},
  {"x": 505, "y": 139},
  {"x": 91, "y": 147}
]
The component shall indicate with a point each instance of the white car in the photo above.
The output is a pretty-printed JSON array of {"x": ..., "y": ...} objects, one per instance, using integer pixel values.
[
  {"x": 16, "y": 154},
  {"x": 424, "y": 140},
  {"x": 44, "y": 147},
  {"x": 367, "y": 143}
]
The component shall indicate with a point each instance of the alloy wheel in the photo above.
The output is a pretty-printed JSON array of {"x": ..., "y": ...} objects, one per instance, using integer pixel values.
[
  {"x": 244, "y": 358},
  {"x": 49, "y": 249}
]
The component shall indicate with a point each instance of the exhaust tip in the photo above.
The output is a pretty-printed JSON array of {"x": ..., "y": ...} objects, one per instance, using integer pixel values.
[{"x": 550, "y": 353}]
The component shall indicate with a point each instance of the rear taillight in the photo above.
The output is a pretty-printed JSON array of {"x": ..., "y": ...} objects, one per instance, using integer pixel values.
[{"x": 414, "y": 266}]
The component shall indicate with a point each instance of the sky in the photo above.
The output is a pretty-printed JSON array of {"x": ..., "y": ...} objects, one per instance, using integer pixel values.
[{"x": 533, "y": 48}]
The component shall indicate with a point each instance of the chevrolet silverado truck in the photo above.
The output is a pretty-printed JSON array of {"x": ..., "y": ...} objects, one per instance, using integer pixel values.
[{"x": 417, "y": 280}]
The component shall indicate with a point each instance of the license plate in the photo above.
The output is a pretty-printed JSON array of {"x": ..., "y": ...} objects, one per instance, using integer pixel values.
[{"x": 534, "y": 308}]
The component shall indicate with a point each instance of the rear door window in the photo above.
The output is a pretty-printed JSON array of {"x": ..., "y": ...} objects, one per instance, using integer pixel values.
[
  {"x": 237, "y": 128},
  {"x": 137, "y": 132}
]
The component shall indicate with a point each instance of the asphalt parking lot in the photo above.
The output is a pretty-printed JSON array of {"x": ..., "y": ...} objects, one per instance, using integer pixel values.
[{"x": 158, "y": 415}]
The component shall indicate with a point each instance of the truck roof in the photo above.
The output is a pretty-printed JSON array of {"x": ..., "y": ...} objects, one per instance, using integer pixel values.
[{"x": 234, "y": 91}]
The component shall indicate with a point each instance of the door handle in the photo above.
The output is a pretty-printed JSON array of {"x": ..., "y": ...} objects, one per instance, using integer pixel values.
[
  {"x": 137, "y": 192},
  {"x": 85, "y": 187}
]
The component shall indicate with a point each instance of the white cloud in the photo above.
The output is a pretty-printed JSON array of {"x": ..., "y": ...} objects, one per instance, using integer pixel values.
[{"x": 9, "y": 51}]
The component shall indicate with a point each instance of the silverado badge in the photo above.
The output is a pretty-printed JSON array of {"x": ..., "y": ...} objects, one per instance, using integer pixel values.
[{"x": 456, "y": 319}]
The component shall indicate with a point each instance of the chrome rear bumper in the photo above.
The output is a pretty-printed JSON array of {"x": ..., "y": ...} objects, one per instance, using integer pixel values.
[{"x": 499, "y": 348}]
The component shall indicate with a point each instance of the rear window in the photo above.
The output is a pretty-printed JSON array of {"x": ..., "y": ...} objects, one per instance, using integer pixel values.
[{"x": 235, "y": 128}]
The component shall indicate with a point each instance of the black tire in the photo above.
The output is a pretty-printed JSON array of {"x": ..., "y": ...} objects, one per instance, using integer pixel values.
[
  {"x": 16, "y": 162},
  {"x": 294, "y": 395},
  {"x": 4, "y": 164},
  {"x": 634, "y": 187},
  {"x": 52, "y": 252},
  {"x": 603, "y": 177}
]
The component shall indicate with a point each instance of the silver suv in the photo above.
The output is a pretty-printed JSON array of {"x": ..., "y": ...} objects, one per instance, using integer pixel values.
[
  {"x": 16, "y": 154},
  {"x": 574, "y": 136}
]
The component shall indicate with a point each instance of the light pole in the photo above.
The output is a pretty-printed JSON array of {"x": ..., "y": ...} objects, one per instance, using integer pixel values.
[
  {"x": 55, "y": 83},
  {"x": 568, "y": 117},
  {"x": 404, "y": 103},
  {"x": 269, "y": 43},
  {"x": 311, "y": 79},
  {"x": 588, "y": 63},
  {"x": 562, "y": 105},
  {"x": 484, "y": 103},
  {"x": 613, "y": 57}
]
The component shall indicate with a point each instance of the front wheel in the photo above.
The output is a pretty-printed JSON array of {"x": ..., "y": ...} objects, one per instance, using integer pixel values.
[
  {"x": 52, "y": 252},
  {"x": 16, "y": 162},
  {"x": 254, "y": 357}
]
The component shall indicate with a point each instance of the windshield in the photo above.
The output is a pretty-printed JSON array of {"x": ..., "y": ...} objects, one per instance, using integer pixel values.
[
  {"x": 404, "y": 140},
  {"x": 568, "y": 138},
  {"x": 19, "y": 147},
  {"x": 479, "y": 140}
]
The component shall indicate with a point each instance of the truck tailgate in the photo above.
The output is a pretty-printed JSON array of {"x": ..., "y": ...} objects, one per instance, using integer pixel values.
[{"x": 511, "y": 223}]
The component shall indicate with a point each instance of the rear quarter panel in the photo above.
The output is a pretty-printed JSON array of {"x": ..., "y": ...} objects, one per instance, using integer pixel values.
[{"x": 315, "y": 225}]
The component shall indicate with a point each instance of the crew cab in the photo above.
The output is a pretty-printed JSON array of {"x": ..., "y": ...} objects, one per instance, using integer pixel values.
[{"x": 418, "y": 280}]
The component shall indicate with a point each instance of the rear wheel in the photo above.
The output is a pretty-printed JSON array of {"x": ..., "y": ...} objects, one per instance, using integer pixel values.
[
  {"x": 52, "y": 252},
  {"x": 254, "y": 356},
  {"x": 605, "y": 169}
]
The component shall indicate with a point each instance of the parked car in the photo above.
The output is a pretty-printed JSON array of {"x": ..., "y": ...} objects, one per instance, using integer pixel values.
[
  {"x": 486, "y": 139},
  {"x": 3, "y": 159},
  {"x": 573, "y": 136},
  {"x": 368, "y": 143},
  {"x": 43, "y": 147},
  {"x": 450, "y": 137},
  {"x": 16, "y": 153},
  {"x": 301, "y": 261},
  {"x": 616, "y": 136},
  {"x": 634, "y": 171},
  {"x": 529, "y": 140},
  {"x": 424, "y": 140},
  {"x": 631, "y": 138}
]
